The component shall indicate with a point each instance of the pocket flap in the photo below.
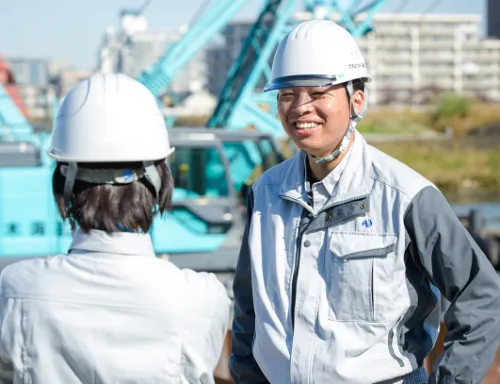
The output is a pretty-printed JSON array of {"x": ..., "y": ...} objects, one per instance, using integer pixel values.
[{"x": 361, "y": 244}]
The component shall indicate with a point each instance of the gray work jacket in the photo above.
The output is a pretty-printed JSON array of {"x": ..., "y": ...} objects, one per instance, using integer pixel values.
[{"x": 351, "y": 294}]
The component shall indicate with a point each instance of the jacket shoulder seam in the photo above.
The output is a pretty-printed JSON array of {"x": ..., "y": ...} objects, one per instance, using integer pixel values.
[
  {"x": 267, "y": 183},
  {"x": 395, "y": 186},
  {"x": 269, "y": 179}
]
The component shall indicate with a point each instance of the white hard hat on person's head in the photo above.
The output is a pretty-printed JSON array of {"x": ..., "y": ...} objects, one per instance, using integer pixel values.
[
  {"x": 320, "y": 53},
  {"x": 317, "y": 53},
  {"x": 109, "y": 118}
]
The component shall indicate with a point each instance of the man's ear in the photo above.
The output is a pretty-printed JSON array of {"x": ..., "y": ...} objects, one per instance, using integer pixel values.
[{"x": 358, "y": 101}]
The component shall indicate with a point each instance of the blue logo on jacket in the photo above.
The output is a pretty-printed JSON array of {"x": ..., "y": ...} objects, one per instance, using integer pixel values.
[{"x": 367, "y": 223}]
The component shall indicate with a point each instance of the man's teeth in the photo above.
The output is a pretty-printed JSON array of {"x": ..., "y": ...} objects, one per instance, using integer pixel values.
[{"x": 305, "y": 125}]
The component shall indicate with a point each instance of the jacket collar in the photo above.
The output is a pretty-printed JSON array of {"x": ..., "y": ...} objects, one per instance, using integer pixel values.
[
  {"x": 330, "y": 182},
  {"x": 354, "y": 182},
  {"x": 123, "y": 243}
]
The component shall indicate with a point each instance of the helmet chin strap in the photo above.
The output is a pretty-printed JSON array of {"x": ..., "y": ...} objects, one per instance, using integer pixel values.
[{"x": 355, "y": 119}]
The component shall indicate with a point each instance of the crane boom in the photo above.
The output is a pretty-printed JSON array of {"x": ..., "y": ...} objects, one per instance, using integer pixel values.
[{"x": 159, "y": 76}]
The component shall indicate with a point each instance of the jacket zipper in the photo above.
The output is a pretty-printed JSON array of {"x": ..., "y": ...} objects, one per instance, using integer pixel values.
[
  {"x": 296, "y": 259},
  {"x": 296, "y": 263}
]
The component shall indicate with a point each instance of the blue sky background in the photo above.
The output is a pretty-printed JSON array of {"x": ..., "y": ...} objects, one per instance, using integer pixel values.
[{"x": 73, "y": 30}]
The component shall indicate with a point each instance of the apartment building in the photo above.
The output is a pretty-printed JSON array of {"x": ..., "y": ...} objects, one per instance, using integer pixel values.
[
  {"x": 34, "y": 84},
  {"x": 30, "y": 71},
  {"x": 411, "y": 57}
]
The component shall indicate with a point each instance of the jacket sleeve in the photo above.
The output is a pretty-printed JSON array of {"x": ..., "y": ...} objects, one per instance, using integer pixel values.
[
  {"x": 8, "y": 336},
  {"x": 205, "y": 322},
  {"x": 242, "y": 365},
  {"x": 218, "y": 326},
  {"x": 6, "y": 372},
  {"x": 456, "y": 265}
]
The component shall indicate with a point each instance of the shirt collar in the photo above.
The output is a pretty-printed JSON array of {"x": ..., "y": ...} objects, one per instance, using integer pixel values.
[
  {"x": 331, "y": 180},
  {"x": 356, "y": 180},
  {"x": 123, "y": 243}
]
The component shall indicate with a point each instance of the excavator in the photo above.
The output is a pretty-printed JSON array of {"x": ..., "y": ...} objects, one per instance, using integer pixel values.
[{"x": 213, "y": 166}]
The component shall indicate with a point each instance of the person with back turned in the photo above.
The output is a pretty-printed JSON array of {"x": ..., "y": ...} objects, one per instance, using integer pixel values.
[{"x": 110, "y": 311}]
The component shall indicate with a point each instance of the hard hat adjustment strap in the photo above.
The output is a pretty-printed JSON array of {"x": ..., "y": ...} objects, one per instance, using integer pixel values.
[
  {"x": 106, "y": 176},
  {"x": 355, "y": 118},
  {"x": 354, "y": 115},
  {"x": 71, "y": 172},
  {"x": 343, "y": 146},
  {"x": 69, "y": 182},
  {"x": 153, "y": 177}
]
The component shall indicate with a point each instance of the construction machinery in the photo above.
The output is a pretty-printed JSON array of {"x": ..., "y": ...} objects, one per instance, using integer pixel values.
[
  {"x": 249, "y": 152},
  {"x": 212, "y": 166}
]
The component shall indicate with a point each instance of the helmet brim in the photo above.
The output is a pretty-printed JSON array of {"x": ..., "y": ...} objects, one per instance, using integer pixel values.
[{"x": 312, "y": 81}]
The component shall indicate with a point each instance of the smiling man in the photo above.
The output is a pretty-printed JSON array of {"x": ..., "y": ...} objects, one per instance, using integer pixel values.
[{"x": 347, "y": 251}]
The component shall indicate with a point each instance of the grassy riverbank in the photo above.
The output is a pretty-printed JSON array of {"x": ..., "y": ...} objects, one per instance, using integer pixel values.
[
  {"x": 460, "y": 170},
  {"x": 459, "y": 114},
  {"x": 465, "y": 167}
]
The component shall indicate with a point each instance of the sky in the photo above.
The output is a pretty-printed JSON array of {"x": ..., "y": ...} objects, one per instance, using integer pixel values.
[{"x": 72, "y": 30}]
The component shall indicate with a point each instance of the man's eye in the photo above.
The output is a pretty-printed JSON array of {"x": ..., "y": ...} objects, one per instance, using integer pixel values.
[{"x": 317, "y": 94}]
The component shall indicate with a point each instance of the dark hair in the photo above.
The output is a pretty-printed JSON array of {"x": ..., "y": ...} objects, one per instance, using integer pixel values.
[
  {"x": 358, "y": 84},
  {"x": 111, "y": 208}
]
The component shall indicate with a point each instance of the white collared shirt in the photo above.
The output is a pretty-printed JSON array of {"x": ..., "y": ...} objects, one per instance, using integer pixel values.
[
  {"x": 321, "y": 191},
  {"x": 109, "y": 312}
]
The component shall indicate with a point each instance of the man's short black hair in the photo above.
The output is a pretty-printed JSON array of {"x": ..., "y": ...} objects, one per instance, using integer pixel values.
[
  {"x": 358, "y": 84},
  {"x": 113, "y": 208}
]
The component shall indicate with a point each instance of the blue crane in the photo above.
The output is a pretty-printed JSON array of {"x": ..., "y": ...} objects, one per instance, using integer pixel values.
[
  {"x": 159, "y": 76},
  {"x": 209, "y": 165},
  {"x": 240, "y": 102}
]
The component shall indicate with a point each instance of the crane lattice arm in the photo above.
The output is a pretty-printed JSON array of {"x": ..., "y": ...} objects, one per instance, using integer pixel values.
[
  {"x": 241, "y": 103},
  {"x": 159, "y": 76}
]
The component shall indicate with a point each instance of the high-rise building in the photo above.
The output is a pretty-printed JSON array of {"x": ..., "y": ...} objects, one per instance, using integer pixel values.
[
  {"x": 30, "y": 71},
  {"x": 32, "y": 79},
  {"x": 221, "y": 57},
  {"x": 493, "y": 18},
  {"x": 137, "y": 47}
]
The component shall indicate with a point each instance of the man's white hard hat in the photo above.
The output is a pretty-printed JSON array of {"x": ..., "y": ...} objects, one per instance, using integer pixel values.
[
  {"x": 109, "y": 118},
  {"x": 317, "y": 53}
]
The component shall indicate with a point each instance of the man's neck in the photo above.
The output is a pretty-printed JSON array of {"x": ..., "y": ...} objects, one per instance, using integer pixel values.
[{"x": 318, "y": 172}]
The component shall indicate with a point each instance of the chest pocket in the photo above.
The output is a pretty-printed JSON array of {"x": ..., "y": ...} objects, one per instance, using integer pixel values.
[{"x": 360, "y": 272}]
